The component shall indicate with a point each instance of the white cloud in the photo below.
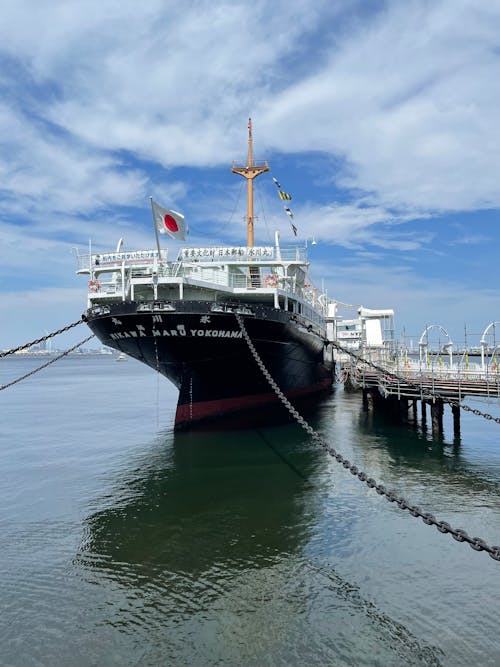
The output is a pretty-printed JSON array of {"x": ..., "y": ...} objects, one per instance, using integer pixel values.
[
  {"x": 356, "y": 225},
  {"x": 404, "y": 95},
  {"x": 42, "y": 311},
  {"x": 47, "y": 175},
  {"x": 417, "y": 301},
  {"x": 409, "y": 101},
  {"x": 164, "y": 81},
  {"x": 472, "y": 239}
]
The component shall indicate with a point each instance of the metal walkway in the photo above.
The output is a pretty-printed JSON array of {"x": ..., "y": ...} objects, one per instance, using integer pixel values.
[{"x": 407, "y": 384}]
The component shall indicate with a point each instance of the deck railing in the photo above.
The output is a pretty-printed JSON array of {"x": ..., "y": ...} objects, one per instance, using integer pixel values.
[{"x": 223, "y": 278}]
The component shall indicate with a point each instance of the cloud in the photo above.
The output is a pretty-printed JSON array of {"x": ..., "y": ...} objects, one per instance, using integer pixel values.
[
  {"x": 357, "y": 225},
  {"x": 41, "y": 311},
  {"x": 403, "y": 95},
  {"x": 472, "y": 239},
  {"x": 417, "y": 301},
  {"x": 407, "y": 100},
  {"x": 388, "y": 114},
  {"x": 48, "y": 174},
  {"x": 170, "y": 88}
]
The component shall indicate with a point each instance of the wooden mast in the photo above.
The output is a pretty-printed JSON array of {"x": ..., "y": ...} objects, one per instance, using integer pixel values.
[{"x": 250, "y": 171}]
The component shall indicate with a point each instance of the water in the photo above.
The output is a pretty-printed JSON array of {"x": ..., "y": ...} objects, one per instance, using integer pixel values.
[{"x": 122, "y": 543}]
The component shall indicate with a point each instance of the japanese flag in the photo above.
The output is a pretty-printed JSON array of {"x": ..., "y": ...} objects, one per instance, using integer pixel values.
[{"x": 168, "y": 222}]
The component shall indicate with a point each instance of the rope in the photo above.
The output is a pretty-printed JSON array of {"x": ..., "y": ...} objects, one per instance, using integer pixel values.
[
  {"x": 458, "y": 534},
  {"x": 261, "y": 201},
  {"x": 235, "y": 207}
]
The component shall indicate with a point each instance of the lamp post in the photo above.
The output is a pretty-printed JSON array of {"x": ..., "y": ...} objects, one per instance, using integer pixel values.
[{"x": 484, "y": 342}]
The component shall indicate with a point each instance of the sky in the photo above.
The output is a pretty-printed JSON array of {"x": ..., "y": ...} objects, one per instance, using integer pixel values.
[{"x": 381, "y": 119}]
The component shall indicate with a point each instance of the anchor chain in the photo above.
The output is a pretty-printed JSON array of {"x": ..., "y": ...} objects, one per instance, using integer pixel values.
[
  {"x": 458, "y": 534},
  {"x": 426, "y": 392},
  {"x": 52, "y": 361},
  {"x": 43, "y": 338}
]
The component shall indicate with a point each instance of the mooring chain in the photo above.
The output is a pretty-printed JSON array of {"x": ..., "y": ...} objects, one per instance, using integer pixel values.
[
  {"x": 416, "y": 385},
  {"x": 477, "y": 412},
  {"x": 52, "y": 361},
  {"x": 44, "y": 338},
  {"x": 458, "y": 534}
]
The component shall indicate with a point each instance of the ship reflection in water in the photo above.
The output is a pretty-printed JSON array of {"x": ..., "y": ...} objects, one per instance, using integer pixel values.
[
  {"x": 213, "y": 505},
  {"x": 213, "y": 545}
]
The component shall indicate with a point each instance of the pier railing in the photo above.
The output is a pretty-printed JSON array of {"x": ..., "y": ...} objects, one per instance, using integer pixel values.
[{"x": 399, "y": 375}]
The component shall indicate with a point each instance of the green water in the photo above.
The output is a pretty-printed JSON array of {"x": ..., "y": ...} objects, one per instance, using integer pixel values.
[{"x": 122, "y": 543}]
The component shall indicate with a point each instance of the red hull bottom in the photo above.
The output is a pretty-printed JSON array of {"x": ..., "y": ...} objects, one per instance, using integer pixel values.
[{"x": 188, "y": 413}]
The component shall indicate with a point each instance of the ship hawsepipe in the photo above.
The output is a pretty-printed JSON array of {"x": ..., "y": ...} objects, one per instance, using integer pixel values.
[{"x": 199, "y": 347}]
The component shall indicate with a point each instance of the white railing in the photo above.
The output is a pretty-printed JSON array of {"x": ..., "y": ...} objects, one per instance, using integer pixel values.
[{"x": 414, "y": 371}]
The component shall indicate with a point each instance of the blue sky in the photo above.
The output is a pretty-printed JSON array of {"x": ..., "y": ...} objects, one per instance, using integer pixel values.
[{"x": 380, "y": 118}]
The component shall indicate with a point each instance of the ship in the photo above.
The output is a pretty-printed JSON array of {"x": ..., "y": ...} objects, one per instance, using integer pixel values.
[{"x": 187, "y": 316}]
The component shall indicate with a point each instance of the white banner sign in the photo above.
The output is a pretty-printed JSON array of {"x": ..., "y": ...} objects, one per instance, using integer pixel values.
[
  {"x": 238, "y": 252},
  {"x": 132, "y": 256}
]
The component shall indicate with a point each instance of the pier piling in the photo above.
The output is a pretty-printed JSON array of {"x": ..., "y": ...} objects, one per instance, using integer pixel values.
[
  {"x": 437, "y": 410},
  {"x": 399, "y": 401},
  {"x": 365, "y": 399},
  {"x": 455, "y": 409}
]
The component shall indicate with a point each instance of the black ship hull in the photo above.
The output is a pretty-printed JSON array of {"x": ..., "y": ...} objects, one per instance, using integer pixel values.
[{"x": 200, "y": 348}]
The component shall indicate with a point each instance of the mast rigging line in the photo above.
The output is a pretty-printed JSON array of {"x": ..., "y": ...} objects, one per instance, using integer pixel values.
[
  {"x": 261, "y": 202},
  {"x": 240, "y": 190}
]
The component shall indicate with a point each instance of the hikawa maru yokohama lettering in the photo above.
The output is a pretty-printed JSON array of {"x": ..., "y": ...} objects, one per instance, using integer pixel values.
[{"x": 179, "y": 331}]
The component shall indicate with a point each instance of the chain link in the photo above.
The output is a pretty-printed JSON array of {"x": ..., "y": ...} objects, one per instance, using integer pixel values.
[
  {"x": 457, "y": 533},
  {"x": 44, "y": 338},
  {"x": 52, "y": 361},
  {"x": 424, "y": 391}
]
